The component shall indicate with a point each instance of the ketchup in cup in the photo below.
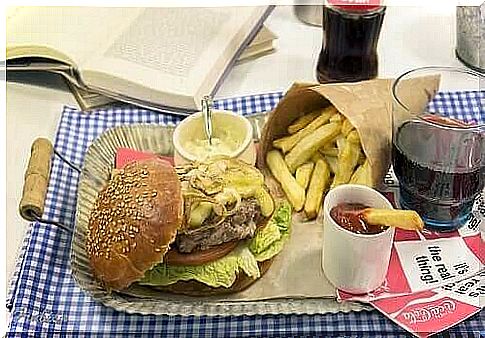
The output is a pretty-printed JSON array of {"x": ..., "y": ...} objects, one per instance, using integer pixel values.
[
  {"x": 355, "y": 253},
  {"x": 348, "y": 217},
  {"x": 351, "y": 31}
]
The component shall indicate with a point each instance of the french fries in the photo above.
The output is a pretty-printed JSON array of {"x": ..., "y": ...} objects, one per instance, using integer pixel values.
[
  {"x": 304, "y": 173},
  {"x": 318, "y": 185},
  {"x": 362, "y": 175},
  {"x": 404, "y": 219},
  {"x": 304, "y": 149},
  {"x": 333, "y": 163},
  {"x": 279, "y": 169},
  {"x": 336, "y": 118},
  {"x": 347, "y": 161},
  {"x": 303, "y": 121},
  {"x": 317, "y": 156},
  {"x": 353, "y": 137},
  {"x": 329, "y": 151},
  {"x": 340, "y": 142},
  {"x": 347, "y": 127},
  {"x": 288, "y": 142},
  {"x": 323, "y": 150}
]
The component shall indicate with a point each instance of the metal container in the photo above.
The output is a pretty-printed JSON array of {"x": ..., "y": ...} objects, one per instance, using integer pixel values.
[
  {"x": 470, "y": 36},
  {"x": 309, "y": 14}
]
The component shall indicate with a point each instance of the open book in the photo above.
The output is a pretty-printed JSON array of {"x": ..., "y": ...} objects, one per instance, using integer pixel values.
[
  {"x": 87, "y": 100},
  {"x": 262, "y": 44},
  {"x": 155, "y": 57}
]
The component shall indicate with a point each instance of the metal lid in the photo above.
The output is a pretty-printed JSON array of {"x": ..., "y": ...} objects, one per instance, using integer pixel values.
[{"x": 356, "y": 5}]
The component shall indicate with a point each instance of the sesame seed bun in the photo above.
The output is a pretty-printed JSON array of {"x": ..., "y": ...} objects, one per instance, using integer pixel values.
[{"x": 133, "y": 222}]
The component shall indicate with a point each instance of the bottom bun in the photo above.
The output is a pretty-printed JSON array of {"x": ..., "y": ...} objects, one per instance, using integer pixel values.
[{"x": 194, "y": 288}]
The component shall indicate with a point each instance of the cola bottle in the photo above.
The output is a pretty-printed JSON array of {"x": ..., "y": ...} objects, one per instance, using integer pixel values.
[{"x": 350, "y": 36}]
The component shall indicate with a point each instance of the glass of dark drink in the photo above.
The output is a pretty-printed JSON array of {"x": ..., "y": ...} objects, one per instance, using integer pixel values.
[{"x": 438, "y": 151}]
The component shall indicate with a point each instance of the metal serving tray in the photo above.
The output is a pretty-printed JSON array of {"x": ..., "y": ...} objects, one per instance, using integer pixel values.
[{"x": 99, "y": 161}]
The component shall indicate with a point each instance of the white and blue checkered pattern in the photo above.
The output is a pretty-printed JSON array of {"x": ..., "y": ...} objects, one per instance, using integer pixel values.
[
  {"x": 467, "y": 106},
  {"x": 44, "y": 299}
]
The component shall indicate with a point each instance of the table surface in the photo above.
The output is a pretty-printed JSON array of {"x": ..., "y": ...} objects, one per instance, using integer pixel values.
[{"x": 411, "y": 37}]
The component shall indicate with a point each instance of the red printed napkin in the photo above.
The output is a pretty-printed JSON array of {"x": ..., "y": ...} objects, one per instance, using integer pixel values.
[{"x": 126, "y": 155}]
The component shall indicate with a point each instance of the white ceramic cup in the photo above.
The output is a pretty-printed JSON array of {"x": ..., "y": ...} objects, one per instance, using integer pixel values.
[{"x": 355, "y": 263}]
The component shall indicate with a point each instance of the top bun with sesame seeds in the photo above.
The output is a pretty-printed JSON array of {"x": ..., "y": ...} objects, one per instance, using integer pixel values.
[{"x": 134, "y": 220}]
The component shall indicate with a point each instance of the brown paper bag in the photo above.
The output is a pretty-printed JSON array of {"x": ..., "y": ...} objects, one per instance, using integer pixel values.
[{"x": 367, "y": 105}]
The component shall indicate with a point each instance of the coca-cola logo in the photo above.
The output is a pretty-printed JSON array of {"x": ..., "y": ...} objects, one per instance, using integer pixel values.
[{"x": 435, "y": 311}]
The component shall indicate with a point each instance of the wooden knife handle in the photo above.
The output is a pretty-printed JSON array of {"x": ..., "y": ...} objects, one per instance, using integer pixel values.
[{"x": 36, "y": 180}]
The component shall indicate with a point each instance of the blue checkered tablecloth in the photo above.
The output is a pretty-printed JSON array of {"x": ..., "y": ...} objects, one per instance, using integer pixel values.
[
  {"x": 467, "y": 106},
  {"x": 43, "y": 298}
]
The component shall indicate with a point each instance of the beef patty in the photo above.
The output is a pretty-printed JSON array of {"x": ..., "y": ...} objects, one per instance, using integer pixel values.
[{"x": 242, "y": 224}]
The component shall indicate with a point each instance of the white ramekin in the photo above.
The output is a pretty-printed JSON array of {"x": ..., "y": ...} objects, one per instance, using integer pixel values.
[{"x": 193, "y": 125}]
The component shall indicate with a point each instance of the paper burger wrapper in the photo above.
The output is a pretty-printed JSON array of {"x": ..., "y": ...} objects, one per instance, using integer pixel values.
[{"x": 367, "y": 105}]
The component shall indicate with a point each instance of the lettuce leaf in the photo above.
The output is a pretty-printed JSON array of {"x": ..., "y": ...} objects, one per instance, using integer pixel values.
[
  {"x": 282, "y": 217},
  {"x": 222, "y": 272},
  {"x": 264, "y": 238},
  {"x": 267, "y": 243},
  {"x": 272, "y": 250}
]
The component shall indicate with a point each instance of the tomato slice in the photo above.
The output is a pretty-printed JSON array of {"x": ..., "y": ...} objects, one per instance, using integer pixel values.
[{"x": 173, "y": 257}]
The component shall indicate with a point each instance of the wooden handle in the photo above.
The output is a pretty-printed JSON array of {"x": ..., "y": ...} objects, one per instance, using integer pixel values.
[{"x": 36, "y": 180}]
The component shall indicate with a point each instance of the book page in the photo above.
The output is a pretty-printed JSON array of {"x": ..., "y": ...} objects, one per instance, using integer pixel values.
[
  {"x": 12, "y": 12},
  {"x": 67, "y": 34},
  {"x": 169, "y": 40},
  {"x": 173, "y": 50}
]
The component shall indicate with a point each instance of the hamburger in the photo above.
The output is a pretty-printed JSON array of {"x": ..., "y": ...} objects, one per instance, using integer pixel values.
[{"x": 205, "y": 228}]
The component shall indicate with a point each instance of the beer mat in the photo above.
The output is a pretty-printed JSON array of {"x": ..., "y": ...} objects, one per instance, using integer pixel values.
[{"x": 44, "y": 299}]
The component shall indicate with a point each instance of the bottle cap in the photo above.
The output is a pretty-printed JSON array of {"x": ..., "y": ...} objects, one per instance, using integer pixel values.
[{"x": 356, "y": 5}]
